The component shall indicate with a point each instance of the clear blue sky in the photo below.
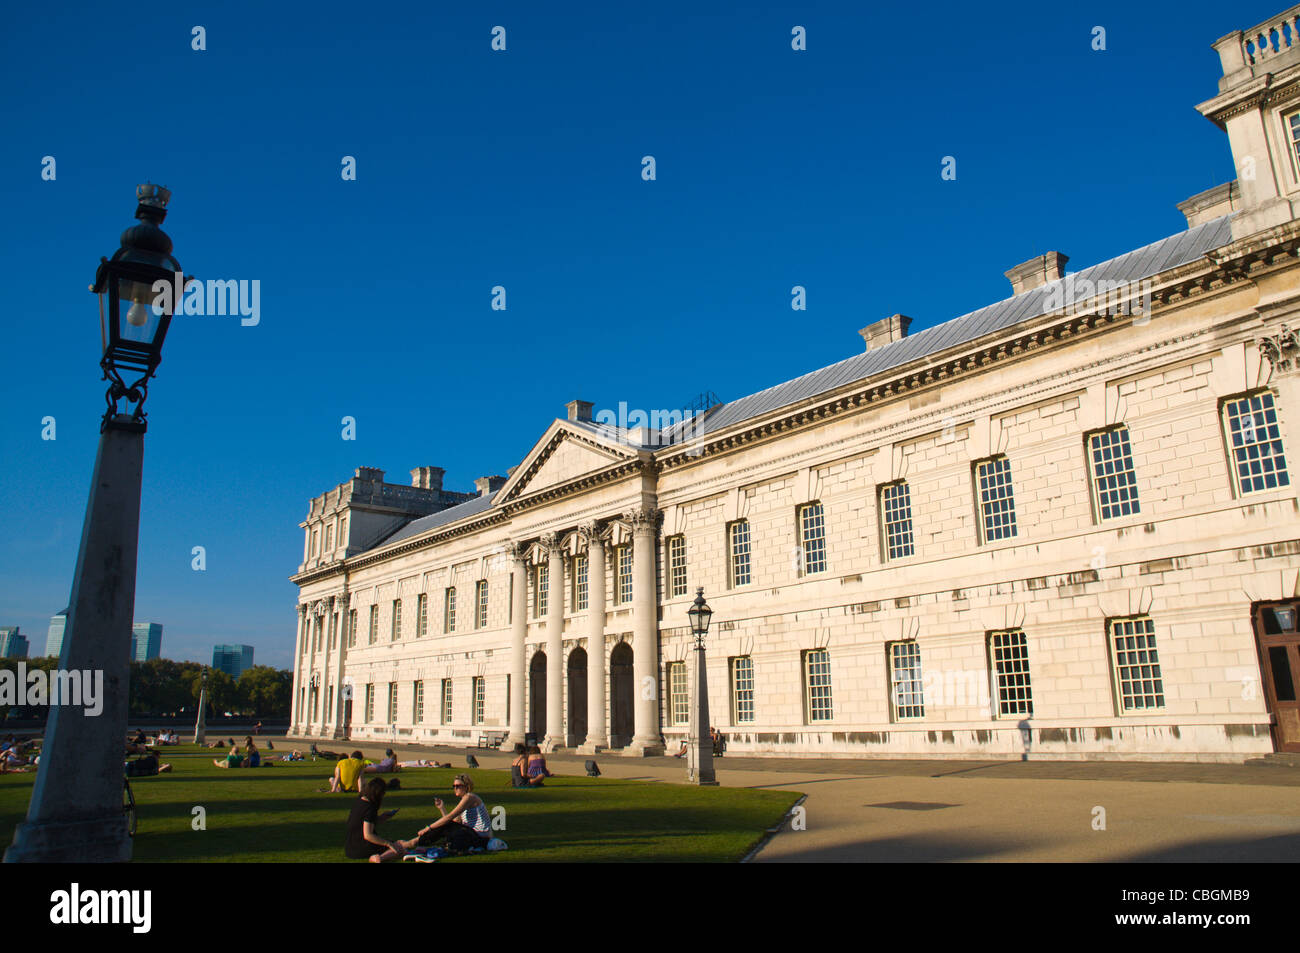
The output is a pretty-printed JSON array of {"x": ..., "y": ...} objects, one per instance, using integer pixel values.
[{"x": 522, "y": 169}]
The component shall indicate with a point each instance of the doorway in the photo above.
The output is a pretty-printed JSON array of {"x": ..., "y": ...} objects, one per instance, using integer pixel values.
[
  {"x": 621, "y": 696},
  {"x": 537, "y": 696},
  {"x": 1278, "y": 642},
  {"x": 577, "y": 697}
]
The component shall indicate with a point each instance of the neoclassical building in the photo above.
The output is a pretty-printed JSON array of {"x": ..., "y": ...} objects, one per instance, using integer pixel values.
[{"x": 1064, "y": 525}]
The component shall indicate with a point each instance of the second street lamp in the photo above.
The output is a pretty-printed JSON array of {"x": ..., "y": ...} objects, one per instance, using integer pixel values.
[
  {"x": 699, "y": 763},
  {"x": 76, "y": 812}
]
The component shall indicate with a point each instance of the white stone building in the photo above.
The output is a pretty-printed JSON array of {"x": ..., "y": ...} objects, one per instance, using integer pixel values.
[{"x": 1058, "y": 526}]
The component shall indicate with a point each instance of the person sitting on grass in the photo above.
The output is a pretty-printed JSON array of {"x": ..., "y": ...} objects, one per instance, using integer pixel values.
[
  {"x": 232, "y": 760},
  {"x": 519, "y": 768},
  {"x": 254, "y": 757},
  {"x": 466, "y": 827},
  {"x": 537, "y": 770},
  {"x": 387, "y": 765},
  {"x": 362, "y": 840},
  {"x": 347, "y": 774}
]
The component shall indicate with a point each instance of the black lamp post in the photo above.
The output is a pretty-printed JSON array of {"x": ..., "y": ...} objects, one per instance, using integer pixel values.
[
  {"x": 699, "y": 755},
  {"x": 76, "y": 812}
]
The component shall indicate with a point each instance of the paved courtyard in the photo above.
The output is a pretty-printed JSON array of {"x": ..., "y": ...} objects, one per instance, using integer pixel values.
[{"x": 880, "y": 811}]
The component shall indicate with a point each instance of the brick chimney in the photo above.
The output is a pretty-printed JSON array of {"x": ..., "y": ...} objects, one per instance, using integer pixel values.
[
  {"x": 579, "y": 410},
  {"x": 428, "y": 478},
  {"x": 1037, "y": 272},
  {"x": 489, "y": 484},
  {"x": 892, "y": 328},
  {"x": 370, "y": 473}
]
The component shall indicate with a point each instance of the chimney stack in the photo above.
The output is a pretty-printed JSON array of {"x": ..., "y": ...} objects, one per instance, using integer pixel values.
[
  {"x": 428, "y": 478},
  {"x": 892, "y": 328},
  {"x": 1037, "y": 272},
  {"x": 579, "y": 410},
  {"x": 489, "y": 484},
  {"x": 370, "y": 473}
]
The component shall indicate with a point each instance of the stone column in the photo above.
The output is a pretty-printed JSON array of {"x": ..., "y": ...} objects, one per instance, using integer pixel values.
[
  {"x": 645, "y": 632},
  {"x": 597, "y": 657},
  {"x": 518, "y": 635},
  {"x": 554, "y": 643},
  {"x": 313, "y": 625},
  {"x": 299, "y": 653},
  {"x": 341, "y": 603},
  {"x": 323, "y": 716}
]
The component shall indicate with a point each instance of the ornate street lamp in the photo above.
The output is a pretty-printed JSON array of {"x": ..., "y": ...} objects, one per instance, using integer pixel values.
[
  {"x": 699, "y": 754},
  {"x": 75, "y": 812}
]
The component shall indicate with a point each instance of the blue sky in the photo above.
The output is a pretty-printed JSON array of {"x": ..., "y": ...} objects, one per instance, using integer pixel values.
[{"x": 522, "y": 169}]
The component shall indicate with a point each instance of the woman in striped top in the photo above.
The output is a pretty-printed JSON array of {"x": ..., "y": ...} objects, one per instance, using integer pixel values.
[{"x": 464, "y": 827}]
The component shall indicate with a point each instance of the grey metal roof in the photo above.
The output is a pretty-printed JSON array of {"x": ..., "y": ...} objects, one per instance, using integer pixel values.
[
  {"x": 451, "y": 514},
  {"x": 1135, "y": 265}
]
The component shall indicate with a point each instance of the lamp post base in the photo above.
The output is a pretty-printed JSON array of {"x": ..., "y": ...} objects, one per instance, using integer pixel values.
[{"x": 102, "y": 840}]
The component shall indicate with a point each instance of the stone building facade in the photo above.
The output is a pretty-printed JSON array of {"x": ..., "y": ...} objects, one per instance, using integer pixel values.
[{"x": 1065, "y": 525}]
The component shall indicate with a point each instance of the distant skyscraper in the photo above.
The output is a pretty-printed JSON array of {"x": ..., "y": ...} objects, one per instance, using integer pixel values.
[
  {"x": 12, "y": 645},
  {"x": 234, "y": 660},
  {"x": 147, "y": 641},
  {"x": 54, "y": 639}
]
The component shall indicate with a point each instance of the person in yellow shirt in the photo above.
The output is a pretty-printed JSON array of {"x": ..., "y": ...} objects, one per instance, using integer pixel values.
[{"x": 347, "y": 773}]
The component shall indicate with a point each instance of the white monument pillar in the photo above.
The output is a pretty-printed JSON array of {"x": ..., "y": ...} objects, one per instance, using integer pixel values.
[
  {"x": 518, "y": 635},
  {"x": 597, "y": 657},
  {"x": 645, "y": 633},
  {"x": 554, "y": 644}
]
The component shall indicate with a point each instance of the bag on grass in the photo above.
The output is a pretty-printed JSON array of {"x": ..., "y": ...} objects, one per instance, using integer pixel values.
[{"x": 495, "y": 844}]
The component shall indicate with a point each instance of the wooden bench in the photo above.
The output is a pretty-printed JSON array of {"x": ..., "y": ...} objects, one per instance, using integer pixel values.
[{"x": 492, "y": 739}]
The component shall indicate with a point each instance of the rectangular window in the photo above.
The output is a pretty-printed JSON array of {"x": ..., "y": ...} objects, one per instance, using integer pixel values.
[
  {"x": 352, "y": 628},
  {"x": 392, "y": 703},
  {"x": 334, "y": 630},
  {"x": 580, "y": 582},
  {"x": 907, "y": 693},
  {"x": 1136, "y": 664},
  {"x": 370, "y": 703},
  {"x": 541, "y": 590},
  {"x": 742, "y": 690},
  {"x": 896, "y": 520},
  {"x": 679, "y": 699},
  {"x": 1293, "y": 134},
  {"x": 997, "y": 505},
  {"x": 623, "y": 588},
  {"x": 397, "y": 620},
  {"x": 329, "y": 538},
  {"x": 480, "y": 699},
  {"x": 449, "y": 610},
  {"x": 417, "y": 703},
  {"x": 1009, "y": 659},
  {"x": 738, "y": 549},
  {"x": 421, "y": 615},
  {"x": 817, "y": 685},
  {"x": 374, "y": 624},
  {"x": 1255, "y": 443},
  {"x": 1114, "y": 484},
  {"x": 481, "y": 601},
  {"x": 676, "y": 565},
  {"x": 446, "y": 701},
  {"x": 315, "y": 541},
  {"x": 812, "y": 538}
]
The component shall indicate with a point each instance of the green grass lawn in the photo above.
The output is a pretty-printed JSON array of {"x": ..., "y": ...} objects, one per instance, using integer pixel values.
[{"x": 276, "y": 814}]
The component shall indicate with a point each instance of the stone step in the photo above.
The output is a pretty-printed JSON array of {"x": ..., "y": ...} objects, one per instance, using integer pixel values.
[{"x": 1284, "y": 759}]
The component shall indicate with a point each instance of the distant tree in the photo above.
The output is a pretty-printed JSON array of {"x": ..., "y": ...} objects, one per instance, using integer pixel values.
[{"x": 264, "y": 691}]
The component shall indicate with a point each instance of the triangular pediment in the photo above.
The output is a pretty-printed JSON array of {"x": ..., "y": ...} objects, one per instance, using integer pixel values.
[{"x": 564, "y": 453}]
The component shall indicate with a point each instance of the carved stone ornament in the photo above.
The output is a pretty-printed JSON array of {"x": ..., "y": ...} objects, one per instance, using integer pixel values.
[{"x": 1281, "y": 348}]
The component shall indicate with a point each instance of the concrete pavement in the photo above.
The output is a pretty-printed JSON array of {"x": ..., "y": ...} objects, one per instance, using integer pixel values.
[{"x": 880, "y": 811}]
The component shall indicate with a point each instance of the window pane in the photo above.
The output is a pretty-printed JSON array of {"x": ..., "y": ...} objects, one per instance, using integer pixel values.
[
  {"x": 1114, "y": 481},
  {"x": 908, "y": 686},
  {"x": 742, "y": 690},
  {"x": 1283, "y": 686},
  {"x": 896, "y": 505},
  {"x": 817, "y": 679},
  {"x": 812, "y": 525},
  {"x": 1137, "y": 665},
  {"x": 1256, "y": 443},
  {"x": 740, "y": 574},
  {"x": 997, "y": 505},
  {"x": 1010, "y": 656}
]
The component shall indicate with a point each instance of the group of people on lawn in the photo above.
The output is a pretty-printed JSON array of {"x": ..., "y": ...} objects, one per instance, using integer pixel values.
[{"x": 463, "y": 828}]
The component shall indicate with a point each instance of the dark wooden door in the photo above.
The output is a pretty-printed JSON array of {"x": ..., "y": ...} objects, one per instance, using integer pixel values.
[
  {"x": 621, "y": 696},
  {"x": 577, "y": 697},
  {"x": 347, "y": 718},
  {"x": 537, "y": 695},
  {"x": 1279, "y": 663}
]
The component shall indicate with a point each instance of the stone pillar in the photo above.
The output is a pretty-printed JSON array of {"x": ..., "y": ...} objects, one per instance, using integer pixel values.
[
  {"x": 313, "y": 625},
  {"x": 645, "y": 633},
  {"x": 554, "y": 643},
  {"x": 341, "y": 603},
  {"x": 597, "y": 657},
  {"x": 299, "y": 654},
  {"x": 518, "y": 635}
]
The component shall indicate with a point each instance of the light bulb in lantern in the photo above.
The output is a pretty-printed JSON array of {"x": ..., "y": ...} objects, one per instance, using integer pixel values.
[{"x": 136, "y": 315}]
